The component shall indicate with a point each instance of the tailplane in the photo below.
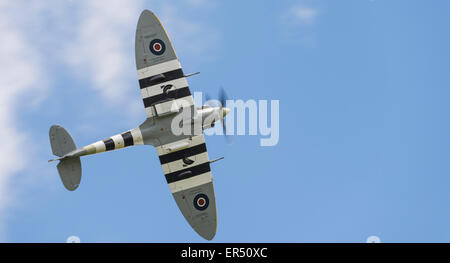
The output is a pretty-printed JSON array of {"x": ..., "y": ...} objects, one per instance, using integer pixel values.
[{"x": 69, "y": 168}]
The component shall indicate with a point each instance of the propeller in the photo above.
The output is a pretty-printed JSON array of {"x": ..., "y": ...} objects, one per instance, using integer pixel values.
[{"x": 222, "y": 103}]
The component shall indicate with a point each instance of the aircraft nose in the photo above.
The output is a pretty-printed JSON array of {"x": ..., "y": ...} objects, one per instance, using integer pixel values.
[{"x": 225, "y": 111}]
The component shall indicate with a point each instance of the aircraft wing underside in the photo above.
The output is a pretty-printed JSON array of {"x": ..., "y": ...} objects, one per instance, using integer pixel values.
[
  {"x": 184, "y": 160},
  {"x": 161, "y": 78},
  {"x": 185, "y": 164}
]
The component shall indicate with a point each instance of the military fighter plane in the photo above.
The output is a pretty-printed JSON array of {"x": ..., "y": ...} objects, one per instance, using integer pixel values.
[{"x": 166, "y": 95}]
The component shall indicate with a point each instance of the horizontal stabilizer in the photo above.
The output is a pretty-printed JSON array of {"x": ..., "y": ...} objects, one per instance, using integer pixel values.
[
  {"x": 61, "y": 141},
  {"x": 69, "y": 170}
]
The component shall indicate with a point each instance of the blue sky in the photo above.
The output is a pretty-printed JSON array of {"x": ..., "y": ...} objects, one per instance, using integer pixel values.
[{"x": 364, "y": 132}]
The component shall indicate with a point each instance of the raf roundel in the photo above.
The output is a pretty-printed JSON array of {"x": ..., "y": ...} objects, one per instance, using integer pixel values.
[
  {"x": 201, "y": 202},
  {"x": 157, "y": 47}
]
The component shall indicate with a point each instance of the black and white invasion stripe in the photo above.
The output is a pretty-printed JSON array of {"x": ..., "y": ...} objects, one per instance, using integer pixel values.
[
  {"x": 119, "y": 141},
  {"x": 188, "y": 172},
  {"x": 195, "y": 169},
  {"x": 160, "y": 78},
  {"x": 162, "y": 82},
  {"x": 187, "y": 167}
]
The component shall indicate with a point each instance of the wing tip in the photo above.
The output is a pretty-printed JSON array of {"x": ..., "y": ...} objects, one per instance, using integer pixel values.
[
  {"x": 146, "y": 11},
  {"x": 144, "y": 18},
  {"x": 208, "y": 233}
]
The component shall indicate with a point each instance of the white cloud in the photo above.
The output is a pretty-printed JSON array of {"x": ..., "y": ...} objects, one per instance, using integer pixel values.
[
  {"x": 301, "y": 15},
  {"x": 95, "y": 41},
  {"x": 19, "y": 73},
  {"x": 297, "y": 24},
  {"x": 101, "y": 47},
  {"x": 33, "y": 38}
]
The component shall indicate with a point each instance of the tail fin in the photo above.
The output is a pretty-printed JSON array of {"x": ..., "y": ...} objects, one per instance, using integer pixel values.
[{"x": 69, "y": 168}]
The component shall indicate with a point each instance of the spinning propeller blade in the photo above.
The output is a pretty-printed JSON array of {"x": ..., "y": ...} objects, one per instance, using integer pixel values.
[{"x": 222, "y": 101}]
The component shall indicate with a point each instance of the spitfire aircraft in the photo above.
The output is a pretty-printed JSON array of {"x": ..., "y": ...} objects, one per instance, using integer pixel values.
[{"x": 166, "y": 96}]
